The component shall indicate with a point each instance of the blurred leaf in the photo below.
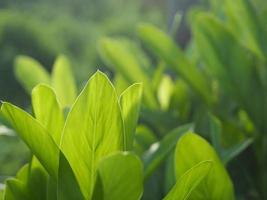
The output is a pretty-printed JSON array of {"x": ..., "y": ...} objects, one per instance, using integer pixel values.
[
  {"x": 63, "y": 81},
  {"x": 215, "y": 130},
  {"x": 230, "y": 153},
  {"x": 30, "y": 72},
  {"x": 180, "y": 100},
  {"x": 15, "y": 190},
  {"x": 159, "y": 121},
  {"x": 158, "y": 151},
  {"x": 158, "y": 74},
  {"x": 243, "y": 20},
  {"x": 226, "y": 153},
  {"x": 1, "y": 194},
  {"x": 47, "y": 111},
  {"x": 98, "y": 118},
  {"x": 130, "y": 101},
  {"x": 169, "y": 173},
  {"x": 125, "y": 60},
  {"x": 144, "y": 137},
  {"x": 232, "y": 66},
  {"x": 165, "y": 91},
  {"x": 175, "y": 58},
  {"x": 120, "y": 176},
  {"x": 189, "y": 181},
  {"x": 120, "y": 83},
  {"x": 177, "y": 20},
  {"x": 192, "y": 149}
]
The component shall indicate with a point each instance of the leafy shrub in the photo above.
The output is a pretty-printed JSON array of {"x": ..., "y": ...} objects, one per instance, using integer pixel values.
[
  {"x": 89, "y": 155},
  {"x": 221, "y": 73}
]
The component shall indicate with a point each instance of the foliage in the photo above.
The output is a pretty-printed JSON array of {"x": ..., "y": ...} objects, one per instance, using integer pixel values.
[
  {"x": 218, "y": 82},
  {"x": 216, "y": 87},
  {"x": 98, "y": 162}
]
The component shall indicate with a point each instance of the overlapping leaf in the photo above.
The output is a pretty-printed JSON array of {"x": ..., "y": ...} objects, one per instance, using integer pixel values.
[
  {"x": 189, "y": 181},
  {"x": 93, "y": 130},
  {"x": 130, "y": 101},
  {"x": 29, "y": 72},
  {"x": 163, "y": 46},
  {"x": 191, "y": 150},
  {"x": 63, "y": 82},
  {"x": 120, "y": 176}
]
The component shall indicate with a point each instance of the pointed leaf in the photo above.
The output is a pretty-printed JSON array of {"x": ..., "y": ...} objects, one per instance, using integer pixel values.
[
  {"x": 164, "y": 47},
  {"x": 120, "y": 55},
  {"x": 93, "y": 130},
  {"x": 130, "y": 101},
  {"x": 15, "y": 190},
  {"x": 192, "y": 149},
  {"x": 47, "y": 111},
  {"x": 34, "y": 135},
  {"x": 63, "y": 81},
  {"x": 30, "y": 72},
  {"x": 189, "y": 181},
  {"x": 159, "y": 150}
]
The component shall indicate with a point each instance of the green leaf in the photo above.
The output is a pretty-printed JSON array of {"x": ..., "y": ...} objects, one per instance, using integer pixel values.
[
  {"x": 63, "y": 81},
  {"x": 1, "y": 194},
  {"x": 144, "y": 137},
  {"x": 215, "y": 131},
  {"x": 165, "y": 91},
  {"x": 130, "y": 101},
  {"x": 237, "y": 77},
  {"x": 164, "y": 47},
  {"x": 243, "y": 20},
  {"x": 230, "y": 153},
  {"x": 121, "y": 177},
  {"x": 93, "y": 130},
  {"x": 189, "y": 181},
  {"x": 36, "y": 181},
  {"x": 30, "y": 72},
  {"x": 68, "y": 188},
  {"x": 119, "y": 54},
  {"x": 48, "y": 111},
  {"x": 15, "y": 190},
  {"x": 34, "y": 135},
  {"x": 159, "y": 150},
  {"x": 191, "y": 149}
]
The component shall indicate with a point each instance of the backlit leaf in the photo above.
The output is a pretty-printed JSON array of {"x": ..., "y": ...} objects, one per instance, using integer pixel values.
[
  {"x": 93, "y": 130},
  {"x": 130, "y": 101},
  {"x": 191, "y": 149}
]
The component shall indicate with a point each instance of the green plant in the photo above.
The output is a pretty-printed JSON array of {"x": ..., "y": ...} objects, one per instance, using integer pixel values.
[
  {"x": 60, "y": 78},
  {"x": 221, "y": 73},
  {"x": 167, "y": 105},
  {"x": 90, "y": 154},
  {"x": 236, "y": 68}
]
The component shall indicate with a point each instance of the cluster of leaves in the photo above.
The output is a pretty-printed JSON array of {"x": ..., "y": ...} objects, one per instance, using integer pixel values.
[
  {"x": 221, "y": 73},
  {"x": 218, "y": 82},
  {"x": 89, "y": 154}
]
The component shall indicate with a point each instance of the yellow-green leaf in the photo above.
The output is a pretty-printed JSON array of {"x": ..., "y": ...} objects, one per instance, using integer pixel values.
[
  {"x": 93, "y": 130},
  {"x": 191, "y": 149},
  {"x": 130, "y": 101},
  {"x": 63, "y": 81}
]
